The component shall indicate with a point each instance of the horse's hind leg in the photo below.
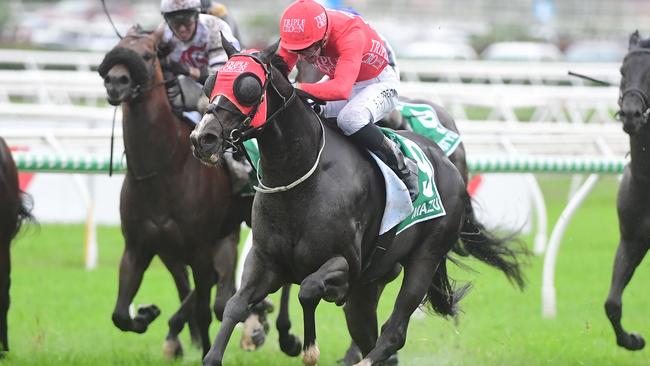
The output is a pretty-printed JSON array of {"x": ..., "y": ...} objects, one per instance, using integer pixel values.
[
  {"x": 225, "y": 262},
  {"x": 132, "y": 266},
  {"x": 628, "y": 256},
  {"x": 361, "y": 317},
  {"x": 5, "y": 283},
  {"x": 172, "y": 347},
  {"x": 289, "y": 343},
  {"x": 329, "y": 282},
  {"x": 204, "y": 277},
  {"x": 417, "y": 279},
  {"x": 258, "y": 281}
]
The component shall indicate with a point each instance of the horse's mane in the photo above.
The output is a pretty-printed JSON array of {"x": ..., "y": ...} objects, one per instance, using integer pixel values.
[{"x": 278, "y": 63}]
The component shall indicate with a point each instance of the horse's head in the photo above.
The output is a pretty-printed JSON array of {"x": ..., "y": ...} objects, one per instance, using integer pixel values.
[
  {"x": 634, "y": 102},
  {"x": 130, "y": 66},
  {"x": 245, "y": 96}
]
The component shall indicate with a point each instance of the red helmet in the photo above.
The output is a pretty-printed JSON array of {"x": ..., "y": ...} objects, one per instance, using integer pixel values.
[{"x": 302, "y": 24}]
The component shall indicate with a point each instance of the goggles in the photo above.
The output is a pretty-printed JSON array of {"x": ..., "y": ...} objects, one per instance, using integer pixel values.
[{"x": 185, "y": 18}]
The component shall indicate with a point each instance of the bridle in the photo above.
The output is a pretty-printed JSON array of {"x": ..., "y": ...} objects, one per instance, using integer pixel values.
[
  {"x": 639, "y": 93},
  {"x": 237, "y": 136}
]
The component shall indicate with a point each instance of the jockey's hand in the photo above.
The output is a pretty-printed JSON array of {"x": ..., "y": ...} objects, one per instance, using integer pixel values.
[
  {"x": 310, "y": 98},
  {"x": 175, "y": 68},
  {"x": 164, "y": 49}
]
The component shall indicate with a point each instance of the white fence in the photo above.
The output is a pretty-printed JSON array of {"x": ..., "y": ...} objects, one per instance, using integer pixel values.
[
  {"x": 412, "y": 70},
  {"x": 502, "y": 101}
]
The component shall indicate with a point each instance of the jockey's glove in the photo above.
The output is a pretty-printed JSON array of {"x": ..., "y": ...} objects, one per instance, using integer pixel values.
[{"x": 175, "y": 68}]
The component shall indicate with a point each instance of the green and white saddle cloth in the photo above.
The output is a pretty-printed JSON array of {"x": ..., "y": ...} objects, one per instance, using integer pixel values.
[
  {"x": 399, "y": 209},
  {"x": 424, "y": 121},
  {"x": 253, "y": 152}
]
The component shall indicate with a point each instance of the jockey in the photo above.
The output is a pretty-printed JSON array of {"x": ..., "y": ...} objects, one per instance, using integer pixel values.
[
  {"x": 192, "y": 46},
  {"x": 361, "y": 89}
]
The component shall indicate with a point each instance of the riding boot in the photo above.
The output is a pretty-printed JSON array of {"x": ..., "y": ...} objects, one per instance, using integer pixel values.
[
  {"x": 371, "y": 137},
  {"x": 239, "y": 171}
]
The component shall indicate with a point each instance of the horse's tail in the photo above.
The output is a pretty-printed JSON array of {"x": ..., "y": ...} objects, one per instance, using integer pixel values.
[
  {"x": 503, "y": 253},
  {"x": 24, "y": 211},
  {"x": 25, "y": 204},
  {"x": 442, "y": 294}
]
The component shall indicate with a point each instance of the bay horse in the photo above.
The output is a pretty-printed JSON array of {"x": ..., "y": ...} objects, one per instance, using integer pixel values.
[
  {"x": 320, "y": 229},
  {"x": 171, "y": 205},
  {"x": 14, "y": 210},
  {"x": 633, "y": 202}
]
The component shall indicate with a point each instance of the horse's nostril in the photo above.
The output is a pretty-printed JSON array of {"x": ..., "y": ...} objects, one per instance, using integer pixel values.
[
  {"x": 124, "y": 79},
  {"x": 208, "y": 139}
]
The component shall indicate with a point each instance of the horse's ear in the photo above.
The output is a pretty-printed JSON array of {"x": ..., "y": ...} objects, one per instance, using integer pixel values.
[
  {"x": 158, "y": 34},
  {"x": 267, "y": 55},
  {"x": 228, "y": 47},
  {"x": 635, "y": 38},
  {"x": 209, "y": 85}
]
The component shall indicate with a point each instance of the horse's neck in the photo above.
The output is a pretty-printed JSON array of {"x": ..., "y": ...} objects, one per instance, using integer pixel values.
[
  {"x": 289, "y": 148},
  {"x": 640, "y": 153},
  {"x": 151, "y": 134}
]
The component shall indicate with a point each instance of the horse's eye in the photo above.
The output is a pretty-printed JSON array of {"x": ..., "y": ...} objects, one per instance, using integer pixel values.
[{"x": 147, "y": 56}]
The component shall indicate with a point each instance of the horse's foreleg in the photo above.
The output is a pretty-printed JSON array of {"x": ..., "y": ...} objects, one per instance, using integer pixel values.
[
  {"x": 132, "y": 267},
  {"x": 5, "y": 284},
  {"x": 417, "y": 278},
  {"x": 329, "y": 282},
  {"x": 259, "y": 279},
  {"x": 628, "y": 256},
  {"x": 289, "y": 343}
]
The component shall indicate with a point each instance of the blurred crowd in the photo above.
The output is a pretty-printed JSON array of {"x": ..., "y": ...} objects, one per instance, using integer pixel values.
[{"x": 539, "y": 34}]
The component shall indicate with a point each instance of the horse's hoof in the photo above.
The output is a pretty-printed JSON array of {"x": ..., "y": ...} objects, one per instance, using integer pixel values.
[
  {"x": 147, "y": 314},
  {"x": 208, "y": 361},
  {"x": 364, "y": 362},
  {"x": 390, "y": 361},
  {"x": 311, "y": 355},
  {"x": 172, "y": 349},
  {"x": 290, "y": 345},
  {"x": 253, "y": 335},
  {"x": 352, "y": 356},
  {"x": 632, "y": 342}
]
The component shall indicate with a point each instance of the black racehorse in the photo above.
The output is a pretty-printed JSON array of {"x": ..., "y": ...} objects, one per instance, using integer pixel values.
[
  {"x": 171, "y": 205},
  {"x": 308, "y": 73},
  {"x": 633, "y": 204},
  {"x": 317, "y": 222},
  {"x": 14, "y": 210}
]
